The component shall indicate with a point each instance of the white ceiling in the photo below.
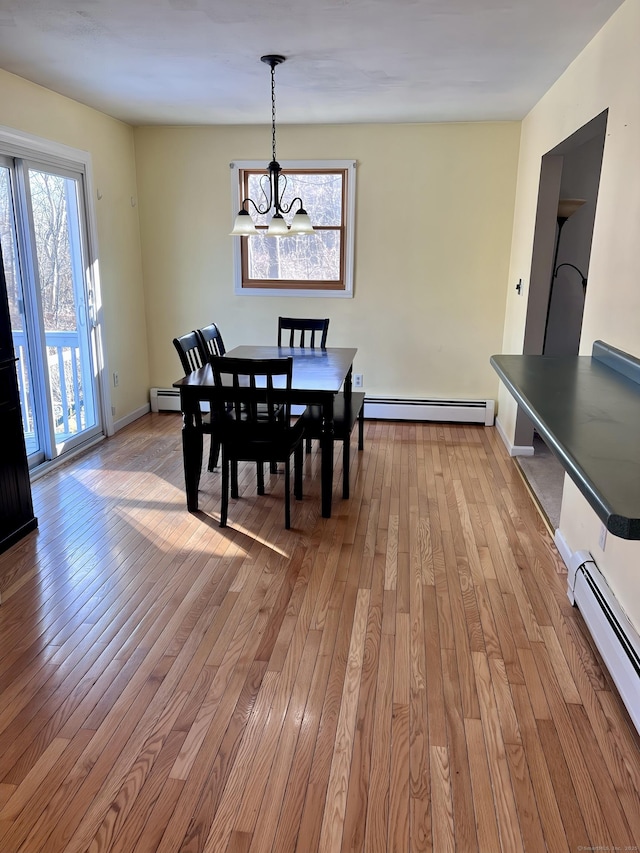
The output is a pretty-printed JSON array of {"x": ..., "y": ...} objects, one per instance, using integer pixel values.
[{"x": 198, "y": 61}]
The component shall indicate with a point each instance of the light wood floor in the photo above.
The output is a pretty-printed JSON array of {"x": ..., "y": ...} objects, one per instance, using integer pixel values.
[{"x": 408, "y": 675}]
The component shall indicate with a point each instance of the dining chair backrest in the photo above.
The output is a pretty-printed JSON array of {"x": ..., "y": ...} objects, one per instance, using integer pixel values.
[
  {"x": 252, "y": 408},
  {"x": 211, "y": 342},
  {"x": 302, "y": 332},
  {"x": 189, "y": 349},
  {"x": 252, "y": 403}
]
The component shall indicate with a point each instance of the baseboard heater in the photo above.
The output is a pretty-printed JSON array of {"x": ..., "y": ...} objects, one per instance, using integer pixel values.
[
  {"x": 381, "y": 408},
  {"x": 164, "y": 399},
  {"x": 416, "y": 409},
  {"x": 614, "y": 635}
]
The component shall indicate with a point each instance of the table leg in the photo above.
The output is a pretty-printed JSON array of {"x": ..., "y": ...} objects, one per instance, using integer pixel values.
[
  {"x": 192, "y": 459},
  {"x": 326, "y": 445},
  {"x": 348, "y": 383}
]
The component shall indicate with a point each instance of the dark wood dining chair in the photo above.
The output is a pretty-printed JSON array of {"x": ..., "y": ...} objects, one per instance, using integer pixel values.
[
  {"x": 346, "y": 410},
  {"x": 254, "y": 416},
  {"x": 192, "y": 356},
  {"x": 302, "y": 332},
  {"x": 211, "y": 342},
  {"x": 212, "y": 345}
]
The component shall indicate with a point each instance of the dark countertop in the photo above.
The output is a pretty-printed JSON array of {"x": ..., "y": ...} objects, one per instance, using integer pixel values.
[{"x": 587, "y": 409}]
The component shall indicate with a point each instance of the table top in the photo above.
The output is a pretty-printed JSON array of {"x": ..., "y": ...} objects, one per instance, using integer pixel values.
[
  {"x": 588, "y": 413},
  {"x": 313, "y": 369}
]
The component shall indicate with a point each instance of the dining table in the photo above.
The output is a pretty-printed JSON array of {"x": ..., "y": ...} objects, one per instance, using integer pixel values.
[{"x": 318, "y": 375}]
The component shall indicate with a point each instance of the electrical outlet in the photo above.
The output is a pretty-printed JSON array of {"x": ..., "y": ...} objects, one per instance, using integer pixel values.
[
  {"x": 602, "y": 539},
  {"x": 357, "y": 380},
  {"x": 116, "y": 379}
]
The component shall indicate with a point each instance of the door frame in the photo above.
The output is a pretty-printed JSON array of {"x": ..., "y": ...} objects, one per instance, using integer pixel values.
[
  {"x": 14, "y": 143},
  {"x": 544, "y": 242}
]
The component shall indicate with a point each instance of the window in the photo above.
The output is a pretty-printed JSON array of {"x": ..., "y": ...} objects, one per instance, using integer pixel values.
[{"x": 318, "y": 264}]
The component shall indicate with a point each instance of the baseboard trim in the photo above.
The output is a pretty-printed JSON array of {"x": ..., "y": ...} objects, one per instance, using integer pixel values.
[
  {"x": 513, "y": 449},
  {"x": 563, "y": 549},
  {"x": 131, "y": 417}
]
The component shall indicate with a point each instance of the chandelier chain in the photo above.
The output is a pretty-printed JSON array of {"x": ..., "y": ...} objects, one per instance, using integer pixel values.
[{"x": 273, "y": 111}]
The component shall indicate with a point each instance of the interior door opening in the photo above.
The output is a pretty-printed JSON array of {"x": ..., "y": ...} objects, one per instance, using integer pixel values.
[{"x": 567, "y": 198}]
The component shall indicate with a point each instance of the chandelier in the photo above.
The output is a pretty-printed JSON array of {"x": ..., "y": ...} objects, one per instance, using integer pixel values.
[{"x": 273, "y": 187}]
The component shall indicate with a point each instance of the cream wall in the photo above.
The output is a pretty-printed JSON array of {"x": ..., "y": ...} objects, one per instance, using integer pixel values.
[
  {"x": 31, "y": 109},
  {"x": 434, "y": 214},
  {"x": 605, "y": 75}
]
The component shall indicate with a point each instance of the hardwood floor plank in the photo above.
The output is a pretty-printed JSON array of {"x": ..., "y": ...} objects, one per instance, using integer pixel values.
[
  {"x": 568, "y": 806},
  {"x": 359, "y": 778},
  {"x": 560, "y": 666},
  {"x": 600, "y": 803},
  {"x": 336, "y": 797},
  {"x": 504, "y": 798},
  {"x": 14, "y": 833},
  {"x": 485, "y": 816},
  {"x": 547, "y": 804},
  {"x": 535, "y": 689},
  {"x": 442, "y": 821},
  {"x": 155, "y": 829},
  {"x": 377, "y": 805},
  {"x": 398, "y": 826},
  {"x": 462, "y": 645},
  {"x": 152, "y": 790},
  {"x": 293, "y": 800},
  {"x": 318, "y": 779},
  {"x": 463, "y": 798},
  {"x": 436, "y": 718},
  {"x": 529, "y": 819},
  {"x": 607, "y": 745},
  {"x": 507, "y": 637},
  {"x": 24, "y": 791},
  {"x": 504, "y": 702},
  {"x": 266, "y": 823}
]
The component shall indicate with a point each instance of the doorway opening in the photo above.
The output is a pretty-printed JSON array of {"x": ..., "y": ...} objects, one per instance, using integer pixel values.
[{"x": 567, "y": 199}]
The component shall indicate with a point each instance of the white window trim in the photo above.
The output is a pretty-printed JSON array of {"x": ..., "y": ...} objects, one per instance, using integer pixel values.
[{"x": 350, "y": 209}]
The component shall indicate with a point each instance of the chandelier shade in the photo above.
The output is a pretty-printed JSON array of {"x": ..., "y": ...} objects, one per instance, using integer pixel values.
[
  {"x": 244, "y": 226},
  {"x": 273, "y": 186}
]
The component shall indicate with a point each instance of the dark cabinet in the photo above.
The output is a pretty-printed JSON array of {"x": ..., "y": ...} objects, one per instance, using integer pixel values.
[{"x": 16, "y": 509}]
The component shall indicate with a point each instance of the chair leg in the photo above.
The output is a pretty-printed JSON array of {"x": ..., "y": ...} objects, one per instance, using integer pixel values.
[
  {"x": 214, "y": 453},
  {"x": 297, "y": 472},
  {"x": 224, "y": 500},
  {"x": 260, "y": 477},
  {"x": 308, "y": 445},
  {"x": 234, "y": 478},
  {"x": 346, "y": 453},
  {"x": 361, "y": 428},
  {"x": 287, "y": 496}
]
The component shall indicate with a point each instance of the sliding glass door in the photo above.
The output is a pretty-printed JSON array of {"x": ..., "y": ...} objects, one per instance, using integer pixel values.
[{"x": 43, "y": 234}]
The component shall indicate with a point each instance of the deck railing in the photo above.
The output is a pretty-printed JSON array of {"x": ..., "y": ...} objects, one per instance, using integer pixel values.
[{"x": 65, "y": 380}]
